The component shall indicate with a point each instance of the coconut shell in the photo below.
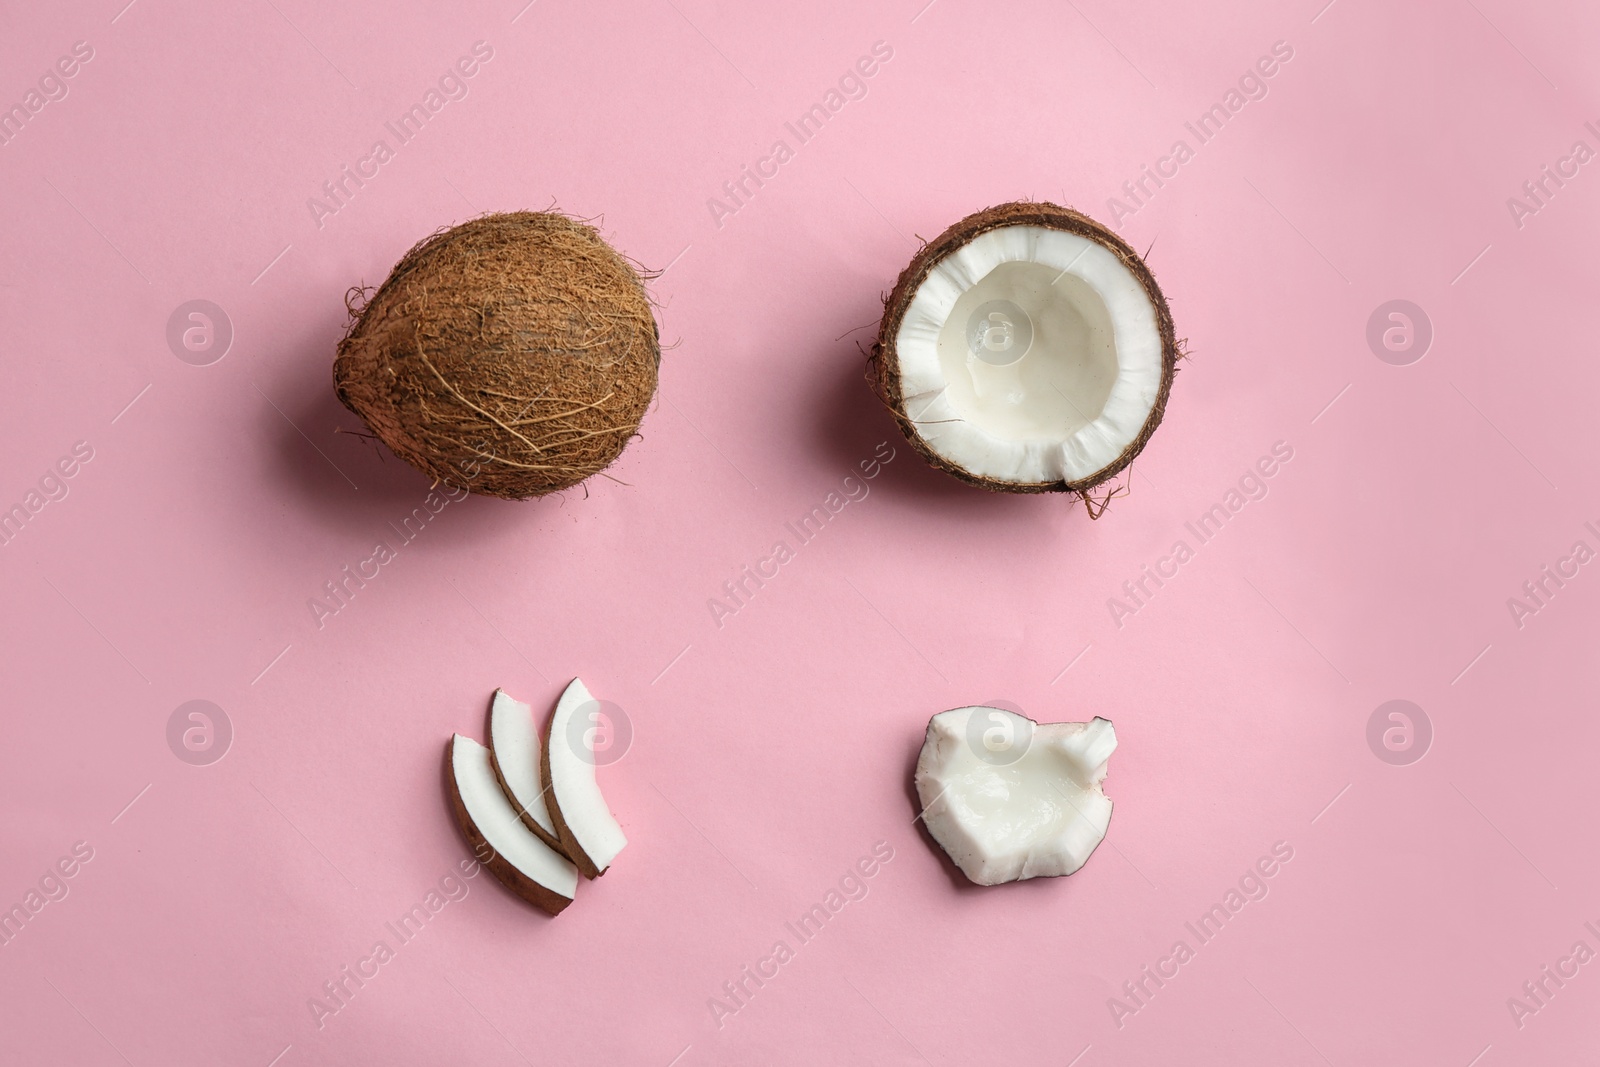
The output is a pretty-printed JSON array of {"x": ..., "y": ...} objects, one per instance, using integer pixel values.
[
  {"x": 513, "y": 355},
  {"x": 884, "y": 365}
]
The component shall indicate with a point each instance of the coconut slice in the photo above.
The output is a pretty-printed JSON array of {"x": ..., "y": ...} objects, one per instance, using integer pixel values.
[
  {"x": 1027, "y": 349},
  {"x": 514, "y": 753},
  {"x": 1008, "y": 798},
  {"x": 527, "y": 866},
  {"x": 588, "y": 831}
]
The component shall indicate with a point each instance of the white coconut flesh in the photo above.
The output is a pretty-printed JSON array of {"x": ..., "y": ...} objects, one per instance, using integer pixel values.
[
  {"x": 1008, "y": 799},
  {"x": 497, "y": 822},
  {"x": 577, "y": 806},
  {"x": 1029, "y": 355},
  {"x": 514, "y": 748}
]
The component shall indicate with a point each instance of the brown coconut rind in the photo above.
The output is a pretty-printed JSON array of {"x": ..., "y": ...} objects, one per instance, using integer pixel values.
[
  {"x": 569, "y": 841},
  {"x": 513, "y": 355},
  {"x": 539, "y": 896},
  {"x": 885, "y": 365},
  {"x": 527, "y": 819}
]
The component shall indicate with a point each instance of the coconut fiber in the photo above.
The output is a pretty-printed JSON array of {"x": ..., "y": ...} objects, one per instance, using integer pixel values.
[{"x": 512, "y": 355}]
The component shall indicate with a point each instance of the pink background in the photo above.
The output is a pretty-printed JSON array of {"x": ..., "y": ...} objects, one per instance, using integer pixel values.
[{"x": 772, "y": 751}]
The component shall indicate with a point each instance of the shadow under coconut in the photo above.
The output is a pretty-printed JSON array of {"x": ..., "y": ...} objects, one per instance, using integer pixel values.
[{"x": 349, "y": 480}]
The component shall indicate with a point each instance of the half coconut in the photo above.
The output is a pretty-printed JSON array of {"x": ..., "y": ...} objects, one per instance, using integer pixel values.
[{"x": 1027, "y": 349}]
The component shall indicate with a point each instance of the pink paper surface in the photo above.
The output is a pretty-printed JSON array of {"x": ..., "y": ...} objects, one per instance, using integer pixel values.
[{"x": 772, "y": 745}]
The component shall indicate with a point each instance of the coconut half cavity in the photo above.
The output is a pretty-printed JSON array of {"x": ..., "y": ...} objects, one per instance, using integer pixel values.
[
  {"x": 525, "y": 864},
  {"x": 1008, "y": 798},
  {"x": 589, "y": 832},
  {"x": 1028, "y": 349}
]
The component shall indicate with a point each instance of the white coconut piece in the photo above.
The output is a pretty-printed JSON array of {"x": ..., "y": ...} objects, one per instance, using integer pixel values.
[
  {"x": 588, "y": 831},
  {"x": 526, "y": 865},
  {"x": 514, "y": 750},
  {"x": 1008, "y": 798}
]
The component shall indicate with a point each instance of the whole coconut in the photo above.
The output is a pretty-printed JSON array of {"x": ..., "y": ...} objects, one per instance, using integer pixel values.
[{"x": 512, "y": 355}]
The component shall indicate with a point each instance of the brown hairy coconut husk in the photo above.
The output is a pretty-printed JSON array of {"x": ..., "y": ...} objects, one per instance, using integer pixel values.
[
  {"x": 512, "y": 355},
  {"x": 1162, "y": 350}
]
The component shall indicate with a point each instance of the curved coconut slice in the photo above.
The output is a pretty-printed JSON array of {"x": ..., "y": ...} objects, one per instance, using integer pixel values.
[
  {"x": 514, "y": 754},
  {"x": 1028, "y": 349},
  {"x": 527, "y": 866},
  {"x": 588, "y": 831},
  {"x": 1008, "y": 798}
]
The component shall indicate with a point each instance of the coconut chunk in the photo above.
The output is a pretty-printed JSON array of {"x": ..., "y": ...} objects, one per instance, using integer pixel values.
[
  {"x": 589, "y": 832},
  {"x": 525, "y": 864},
  {"x": 1008, "y": 798}
]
